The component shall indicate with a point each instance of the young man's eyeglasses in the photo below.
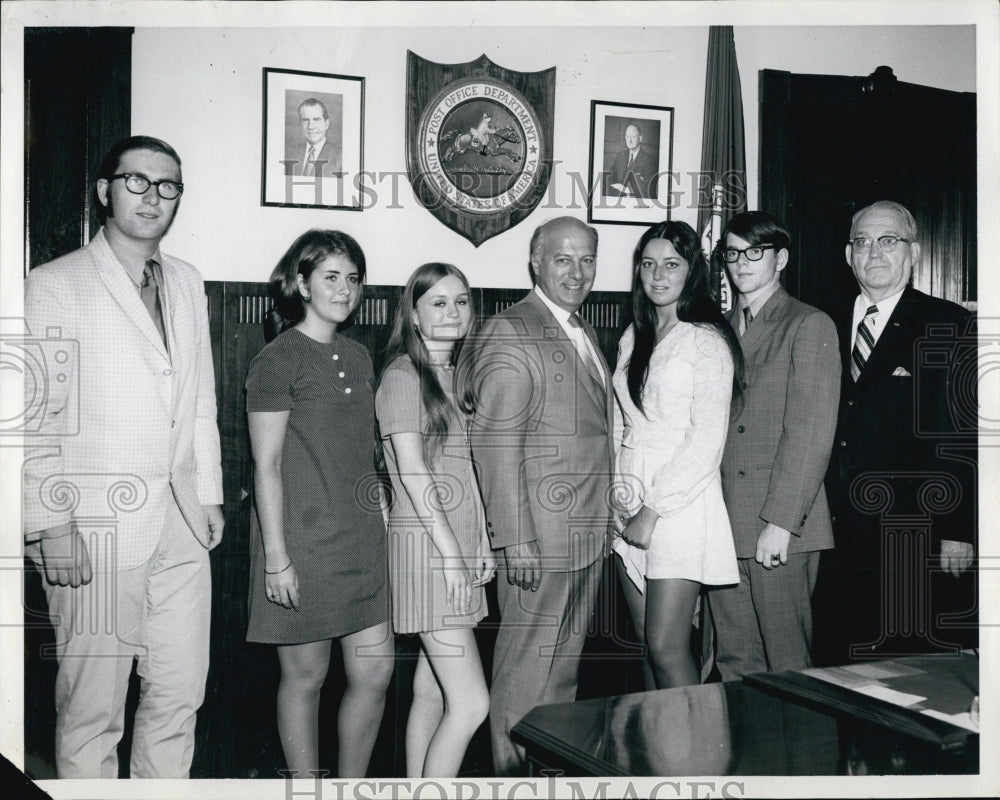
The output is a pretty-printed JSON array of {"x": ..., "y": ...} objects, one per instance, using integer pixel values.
[
  {"x": 755, "y": 253},
  {"x": 862, "y": 244},
  {"x": 139, "y": 184}
]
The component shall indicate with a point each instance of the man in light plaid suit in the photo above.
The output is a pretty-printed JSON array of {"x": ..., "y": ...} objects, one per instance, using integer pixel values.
[
  {"x": 776, "y": 454},
  {"x": 122, "y": 498}
]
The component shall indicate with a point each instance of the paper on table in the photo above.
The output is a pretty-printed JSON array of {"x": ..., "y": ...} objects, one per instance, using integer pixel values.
[
  {"x": 890, "y": 695},
  {"x": 839, "y": 676},
  {"x": 963, "y": 720},
  {"x": 881, "y": 670}
]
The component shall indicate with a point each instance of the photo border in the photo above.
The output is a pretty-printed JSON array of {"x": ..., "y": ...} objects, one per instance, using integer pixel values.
[
  {"x": 607, "y": 210},
  {"x": 282, "y": 190}
]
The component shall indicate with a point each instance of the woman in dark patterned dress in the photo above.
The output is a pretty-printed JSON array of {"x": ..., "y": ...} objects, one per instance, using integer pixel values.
[
  {"x": 318, "y": 555},
  {"x": 439, "y": 553}
]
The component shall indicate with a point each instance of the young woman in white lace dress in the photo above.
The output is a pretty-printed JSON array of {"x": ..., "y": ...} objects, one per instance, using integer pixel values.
[{"x": 679, "y": 365}]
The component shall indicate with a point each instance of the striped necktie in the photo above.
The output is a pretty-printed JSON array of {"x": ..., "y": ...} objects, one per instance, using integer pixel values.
[{"x": 863, "y": 342}]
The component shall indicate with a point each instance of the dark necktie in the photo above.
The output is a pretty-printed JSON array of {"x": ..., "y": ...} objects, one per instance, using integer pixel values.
[
  {"x": 747, "y": 318},
  {"x": 863, "y": 342},
  {"x": 150, "y": 294}
]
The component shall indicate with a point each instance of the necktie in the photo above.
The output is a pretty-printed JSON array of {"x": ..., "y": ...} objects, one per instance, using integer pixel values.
[
  {"x": 150, "y": 294},
  {"x": 863, "y": 342},
  {"x": 580, "y": 342},
  {"x": 311, "y": 161},
  {"x": 747, "y": 318}
]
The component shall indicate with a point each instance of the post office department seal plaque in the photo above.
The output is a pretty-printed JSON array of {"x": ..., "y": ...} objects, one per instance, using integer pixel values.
[{"x": 479, "y": 142}]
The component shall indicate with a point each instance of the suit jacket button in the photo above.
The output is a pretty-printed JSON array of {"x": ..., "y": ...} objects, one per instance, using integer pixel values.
[
  {"x": 741, "y": 473},
  {"x": 843, "y": 443},
  {"x": 741, "y": 429},
  {"x": 850, "y": 402}
]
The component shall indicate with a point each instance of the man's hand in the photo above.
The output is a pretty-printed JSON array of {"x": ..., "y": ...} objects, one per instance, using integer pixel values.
[
  {"x": 638, "y": 531},
  {"x": 65, "y": 557},
  {"x": 772, "y": 546},
  {"x": 216, "y": 522},
  {"x": 524, "y": 565},
  {"x": 956, "y": 557}
]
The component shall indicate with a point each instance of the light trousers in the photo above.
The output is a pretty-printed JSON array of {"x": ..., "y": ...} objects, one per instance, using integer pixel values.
[{"x": 158, "y": 613}]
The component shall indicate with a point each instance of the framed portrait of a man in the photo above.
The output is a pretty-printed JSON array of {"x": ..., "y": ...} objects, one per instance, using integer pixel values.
[
  {"x": 631, "y": 149},
  {"x": 312, "y": 140}
]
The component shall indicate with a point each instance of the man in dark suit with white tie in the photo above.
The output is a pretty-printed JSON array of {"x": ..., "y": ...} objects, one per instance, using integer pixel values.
[
  {"x": 542, "y": 440},
  {"x": 902, "y": 477},
  {"x": 320, "y": 155},
  {"x": 776, "y": 455}
]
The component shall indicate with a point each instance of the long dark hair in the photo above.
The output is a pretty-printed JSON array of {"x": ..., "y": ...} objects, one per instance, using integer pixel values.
[
  {"x": 695, "y": 304},
  {"x": 307, "y": 252},
  {"x": 405, "y": 340}
]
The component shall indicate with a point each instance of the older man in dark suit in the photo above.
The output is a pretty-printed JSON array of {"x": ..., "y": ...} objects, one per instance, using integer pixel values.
[
  {"x": 543, "y": 447},
  {"x": 776, "y": 454},
  {"x": 633, "y": 172},
  {"x": 902, "y": 478}
]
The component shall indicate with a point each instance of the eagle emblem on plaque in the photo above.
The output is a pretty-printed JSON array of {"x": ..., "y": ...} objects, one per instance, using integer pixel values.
[{"x": 478, "y": 142}]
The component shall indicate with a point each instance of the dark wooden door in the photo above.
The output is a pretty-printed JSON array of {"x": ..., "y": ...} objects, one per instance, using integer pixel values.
[
  {"x": 830, "y": 145},
  {"x": 77, "y": 103}
]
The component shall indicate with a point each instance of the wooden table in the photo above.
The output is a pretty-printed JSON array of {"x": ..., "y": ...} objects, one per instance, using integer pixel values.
[{"x": 738, "y": 728}]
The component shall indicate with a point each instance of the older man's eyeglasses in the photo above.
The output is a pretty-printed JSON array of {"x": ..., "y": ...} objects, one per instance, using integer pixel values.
[
  {"x": 862, "y": 244},
  {"x": 139, "y": 184},
  {"x": 755, "y": 253}
]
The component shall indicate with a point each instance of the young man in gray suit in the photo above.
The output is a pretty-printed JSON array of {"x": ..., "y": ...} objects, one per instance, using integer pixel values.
[
  {"x": 776, "y": 455},
  {"x": 542, "y": 439}
]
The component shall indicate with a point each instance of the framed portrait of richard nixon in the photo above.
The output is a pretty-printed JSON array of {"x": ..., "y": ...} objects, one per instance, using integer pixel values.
[
  {"x": 631, "y": 148},
  {"x": 312, "y": 153}
]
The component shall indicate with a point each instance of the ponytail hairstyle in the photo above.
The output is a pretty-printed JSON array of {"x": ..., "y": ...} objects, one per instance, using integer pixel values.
[
  {"x": 406, "y": 340},
  {"x": 695, "y": 304},
  {"x": 307, "y": 252}
]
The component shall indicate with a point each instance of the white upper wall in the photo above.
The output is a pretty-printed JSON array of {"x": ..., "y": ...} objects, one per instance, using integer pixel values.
[{"x": 201, "y": 90}]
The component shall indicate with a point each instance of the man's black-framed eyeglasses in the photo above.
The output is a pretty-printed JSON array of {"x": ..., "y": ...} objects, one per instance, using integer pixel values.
[
  {"x": 862, "y": 244},
  {"x": 139, "y": 184},
  {"x": 755, "y": 253}
]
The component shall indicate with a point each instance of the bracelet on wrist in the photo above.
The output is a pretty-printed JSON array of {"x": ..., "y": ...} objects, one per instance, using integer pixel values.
[{"x": 278, "y": 572}]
